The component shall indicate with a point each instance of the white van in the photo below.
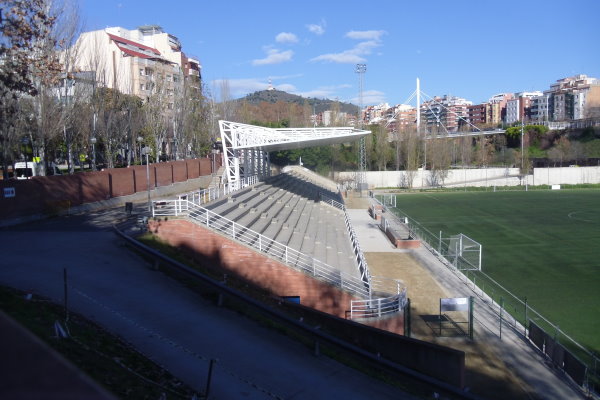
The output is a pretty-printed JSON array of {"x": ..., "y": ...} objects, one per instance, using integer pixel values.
[{"x": 28, "y": 169}]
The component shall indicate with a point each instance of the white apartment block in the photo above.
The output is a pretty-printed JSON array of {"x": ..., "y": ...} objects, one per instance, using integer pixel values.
[
  {"x": 136, "y": 62},
  {"x": 519, "y": 107},
  {"x": 512, "y": 111},
  {"x": 540, "y": 108},
  {"x": 568, "y": 97}
]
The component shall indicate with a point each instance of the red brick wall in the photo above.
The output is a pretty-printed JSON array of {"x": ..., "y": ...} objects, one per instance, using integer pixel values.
[
  {"x": 121, "y": 182},
  {"x": 193, "y": 168},
  {"x": 95, "y": 186},
  {"x": 140, "y": 179},
  {"x": 179, "y": 171},
  {"x": 205, "y": 165},
  {"x": 254, "y": 267},
  {"x": 163, "y": 174},
  {"x": 49, "y": 193}
]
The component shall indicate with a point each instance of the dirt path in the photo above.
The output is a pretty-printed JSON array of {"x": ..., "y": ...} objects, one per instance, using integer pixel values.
[{"x": 486, "y": 373}]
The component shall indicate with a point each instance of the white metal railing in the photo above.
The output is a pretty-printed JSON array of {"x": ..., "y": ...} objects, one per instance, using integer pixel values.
[
  {"x": 360, "y": 258},
  {"x": 291, "y": 257},
  {"x": 380, "y": 306},
  {"x": 204, "y": 196},
  {"x": 332, "y": 202}
]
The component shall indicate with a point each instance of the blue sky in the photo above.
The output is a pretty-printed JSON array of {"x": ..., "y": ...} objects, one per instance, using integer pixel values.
[{"x": 471, "y": 49}]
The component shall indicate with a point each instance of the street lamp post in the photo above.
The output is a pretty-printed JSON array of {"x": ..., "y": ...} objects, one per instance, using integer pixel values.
[
  {"x": 139, "y": 140},
  {"x": 146, "y": 150},
  {"x": 93, "y": 140}
]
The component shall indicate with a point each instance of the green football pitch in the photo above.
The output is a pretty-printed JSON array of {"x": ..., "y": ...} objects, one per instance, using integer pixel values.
[{"x": 540, "y": 245}]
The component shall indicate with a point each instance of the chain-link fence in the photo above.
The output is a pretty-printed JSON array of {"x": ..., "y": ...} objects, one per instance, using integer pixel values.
[{"x": 463, "y": 254}]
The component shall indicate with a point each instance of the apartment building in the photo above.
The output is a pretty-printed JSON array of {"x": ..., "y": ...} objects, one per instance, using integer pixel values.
[
  {"x": 478, "y": 113},
  {"x": 445, "y": 114},
  {"x": 540, "y": 108},
  {"x": 496, "y": 111},
  {"x": 568, "y": 98},
  {"x": 137, "y": 62},
  {"x": 375, "y": 114},
  {"x": 402, "y": 117},
  {"x": 519, "y": 107}
]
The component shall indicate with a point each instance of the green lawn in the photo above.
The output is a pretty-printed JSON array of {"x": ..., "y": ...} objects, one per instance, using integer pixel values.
[{"x": 542, "y": 245}]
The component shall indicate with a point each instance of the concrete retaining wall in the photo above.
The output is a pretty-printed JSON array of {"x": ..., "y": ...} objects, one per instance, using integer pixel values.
[
  {"x": 565, "y": 175},
  {"x": 481, "y": 177}
]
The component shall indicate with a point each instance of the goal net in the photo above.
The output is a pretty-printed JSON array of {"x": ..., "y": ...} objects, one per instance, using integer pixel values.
[{"x": 464, "y": 253}]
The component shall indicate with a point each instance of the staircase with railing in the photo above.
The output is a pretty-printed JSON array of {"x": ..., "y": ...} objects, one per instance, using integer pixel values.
[{"x": 379, "y": 299}]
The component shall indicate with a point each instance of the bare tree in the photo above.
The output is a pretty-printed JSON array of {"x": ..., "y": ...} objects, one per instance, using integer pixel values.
[
  {"x": 25, "y": 27},
  {"x": 227, "y": 107},
  {"x": 439, "y": 157},
  {"x": 412, "y": 156},
  {"x": 466, "y": 150},
  {"x": 563, "y": 150},
  {"x": 67, "y": 30},
  {"x": 485, "y": 151}
]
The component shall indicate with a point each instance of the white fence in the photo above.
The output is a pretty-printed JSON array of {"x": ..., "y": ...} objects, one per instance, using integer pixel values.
[
  {"x": 482, "y": 177},
  {"x": 263, "y": 244},
  {"x": 380, "y": 306}
]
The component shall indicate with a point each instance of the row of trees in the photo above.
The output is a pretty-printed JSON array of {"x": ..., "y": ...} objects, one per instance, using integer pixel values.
[
  {"x": 409, "y": 151},
  {"x": 51, "y": 111}
]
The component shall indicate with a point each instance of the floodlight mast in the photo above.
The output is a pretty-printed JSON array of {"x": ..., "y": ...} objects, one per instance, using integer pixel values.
[{"x": 361, "y": 181}]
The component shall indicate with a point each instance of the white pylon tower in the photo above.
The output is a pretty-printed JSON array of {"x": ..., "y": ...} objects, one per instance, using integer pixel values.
[{"x": 361, "y": 179}]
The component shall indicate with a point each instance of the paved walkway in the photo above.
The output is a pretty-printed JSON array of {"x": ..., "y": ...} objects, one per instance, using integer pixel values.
[
  {"x": 161, "y": 318},
  {"x": 519, "y": 356}
]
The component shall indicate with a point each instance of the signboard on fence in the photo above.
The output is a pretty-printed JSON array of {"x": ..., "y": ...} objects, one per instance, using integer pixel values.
[
  {"x": 9, "y": 192},
  {"x": 454, "y": 304},
  {"x": 458, "y": 304}
]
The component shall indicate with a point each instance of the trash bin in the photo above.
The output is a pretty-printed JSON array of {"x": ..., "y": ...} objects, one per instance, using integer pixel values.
[{"x": 128, "y": 208}]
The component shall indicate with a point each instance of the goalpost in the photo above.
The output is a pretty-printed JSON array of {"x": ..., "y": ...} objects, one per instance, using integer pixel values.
[{"x": 464, "y": 252}]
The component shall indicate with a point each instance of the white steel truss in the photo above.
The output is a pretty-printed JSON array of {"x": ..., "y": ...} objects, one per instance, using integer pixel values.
[{"x": 247, "y": 147}]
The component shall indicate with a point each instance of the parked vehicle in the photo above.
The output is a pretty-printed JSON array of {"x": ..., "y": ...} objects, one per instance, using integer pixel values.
[{"x": 29, "y": 169}]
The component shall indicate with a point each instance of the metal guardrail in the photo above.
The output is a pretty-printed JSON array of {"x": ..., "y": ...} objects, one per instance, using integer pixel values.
[
  {"x": 263, "y": 244},
  {"x": 515, "y": 312},
  {"x": 380, "y": 306},
  {"x": 374, "y": 307},
  {"x": 363, "y": 267},
  {"x": 318, "y": 335},
  {"x": 207, "y": 195}
]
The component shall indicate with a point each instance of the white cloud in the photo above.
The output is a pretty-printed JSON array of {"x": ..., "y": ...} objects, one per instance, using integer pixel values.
[
  {"x": 371, "y": 97},
  {"x": 274, "y": 56},
  {"x": 316, "y": 93},
  {"x": 352, "y": 56},
  {"x": 317, "y": 29},
  {"x": 346, "y": 57},
  {"x": 286, "y": 87},
  {"x": 281, "y": 77},
  {"x": 241, "y": 87},
  {"x": 286, "y": 37},
  {"x": 365, "y": 35},
  {"x": 324, "y": 91}
]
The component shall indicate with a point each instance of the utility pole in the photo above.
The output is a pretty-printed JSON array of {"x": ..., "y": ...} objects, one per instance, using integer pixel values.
[
  {"x": 418, "y": 105},
  {"x": 361, "y": 181},
  {"x": 522, "y": 148},
  {"x": 419, "y": 131}
]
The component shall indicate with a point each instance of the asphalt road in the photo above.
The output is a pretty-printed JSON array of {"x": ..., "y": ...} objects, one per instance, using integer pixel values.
[{"x": 161, "y": 318}]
